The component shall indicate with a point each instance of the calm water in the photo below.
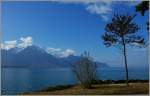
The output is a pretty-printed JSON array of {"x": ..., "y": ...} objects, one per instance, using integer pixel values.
[{"x": 16, "y": 80}]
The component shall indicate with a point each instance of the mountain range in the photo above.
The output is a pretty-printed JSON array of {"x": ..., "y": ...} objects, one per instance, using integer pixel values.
[{"x": 36, "y": 57}]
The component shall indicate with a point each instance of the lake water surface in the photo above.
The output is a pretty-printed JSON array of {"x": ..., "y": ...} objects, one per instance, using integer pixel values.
[{"x": 17, "y": 80}]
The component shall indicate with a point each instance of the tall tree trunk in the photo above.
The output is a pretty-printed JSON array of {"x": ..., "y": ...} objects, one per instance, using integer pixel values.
[
  {"x": 126, "y": 66},
  {"x": 125, "y": 59}
]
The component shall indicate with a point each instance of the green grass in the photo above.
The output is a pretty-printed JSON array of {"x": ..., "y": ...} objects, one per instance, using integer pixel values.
[{"x": 97, "y": 89}]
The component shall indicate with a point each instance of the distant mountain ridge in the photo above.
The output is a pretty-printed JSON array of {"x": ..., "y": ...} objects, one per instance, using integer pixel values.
[{"x": 36, "y": 57}]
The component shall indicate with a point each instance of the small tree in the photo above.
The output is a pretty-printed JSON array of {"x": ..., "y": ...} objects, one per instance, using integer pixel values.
[
  {"x": 85, "y": 70},
  {"x": 122, "y": 31}
]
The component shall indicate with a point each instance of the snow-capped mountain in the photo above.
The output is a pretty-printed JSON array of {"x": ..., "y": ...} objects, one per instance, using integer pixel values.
[{"x": 34, "y": 57}]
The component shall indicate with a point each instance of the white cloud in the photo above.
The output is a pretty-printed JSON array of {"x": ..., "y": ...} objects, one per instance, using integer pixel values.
[
  {"x": 2, "y": 46},
  {"x": 60, "y": 52},
  {"x": 82, "y": 1},
  {"x": 100, "y": 7},
  {"x": 103, "y": 8},
  {"x": 105, "y": 18},
  {"x": 21, "y": 43},
  {"x": 53, "y": 49},
  {"x": 68, "y": 52},
  {"x": 9, "y": 44},
  {"x": 25, "y": 41}
]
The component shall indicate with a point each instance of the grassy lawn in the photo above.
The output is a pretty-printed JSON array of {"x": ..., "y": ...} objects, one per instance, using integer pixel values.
[{"x": 98, "y": 89}]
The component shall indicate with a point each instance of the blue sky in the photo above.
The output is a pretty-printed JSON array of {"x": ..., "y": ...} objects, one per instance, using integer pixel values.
[{"x": 74, "y": 27}]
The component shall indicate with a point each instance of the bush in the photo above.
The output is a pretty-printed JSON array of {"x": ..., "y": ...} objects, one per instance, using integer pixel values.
[{"x": 85, "y": 70}]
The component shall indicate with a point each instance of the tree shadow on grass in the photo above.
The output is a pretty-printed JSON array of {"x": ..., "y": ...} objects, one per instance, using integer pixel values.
[{"x": 59, "y": 87}]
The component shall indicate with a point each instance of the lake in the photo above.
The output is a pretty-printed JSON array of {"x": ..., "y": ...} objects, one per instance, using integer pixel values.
[{"x": 17, "y": 80}]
